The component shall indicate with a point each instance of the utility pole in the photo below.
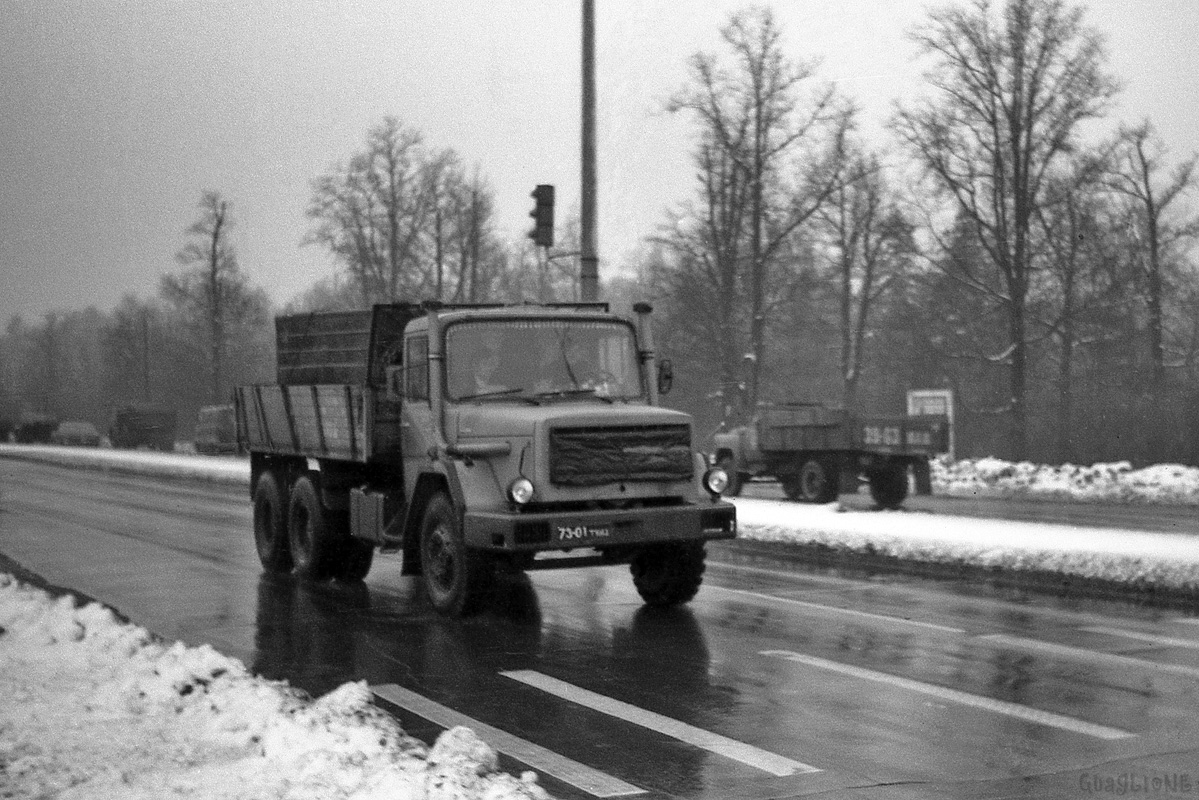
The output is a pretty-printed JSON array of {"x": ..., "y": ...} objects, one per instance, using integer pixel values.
[{"x": 588, "y": 259}]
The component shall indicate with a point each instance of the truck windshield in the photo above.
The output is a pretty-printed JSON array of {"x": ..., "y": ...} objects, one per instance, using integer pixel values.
[{"x": 520, "y": 359}]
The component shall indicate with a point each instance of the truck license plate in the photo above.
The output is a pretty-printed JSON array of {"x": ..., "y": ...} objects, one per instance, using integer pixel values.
[{"x": 577, "y": 533}]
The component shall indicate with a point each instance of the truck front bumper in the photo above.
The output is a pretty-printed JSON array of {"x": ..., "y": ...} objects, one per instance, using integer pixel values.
[{"x": 563, "y": 530}]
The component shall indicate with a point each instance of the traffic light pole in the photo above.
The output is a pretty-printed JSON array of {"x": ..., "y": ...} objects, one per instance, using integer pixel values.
[{"x": 589, "y": 258}]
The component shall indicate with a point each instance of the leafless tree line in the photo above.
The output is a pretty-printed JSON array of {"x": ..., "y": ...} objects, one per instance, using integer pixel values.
[{"x": 992, "y": 249}]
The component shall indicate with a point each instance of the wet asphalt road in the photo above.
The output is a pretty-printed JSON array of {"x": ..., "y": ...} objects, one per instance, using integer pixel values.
[{"x": 774, "y": 682}]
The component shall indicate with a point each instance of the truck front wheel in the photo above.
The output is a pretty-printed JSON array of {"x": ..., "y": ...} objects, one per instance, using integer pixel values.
[
  {"x": 456, "y": 577},
  {"x": 668, "y": 574},
  {"x": 270, "y": 524},
  {"x": 814, "y": 482},
  {"x": 889, "y": 487},
  {"x": 314, "y": 542}
]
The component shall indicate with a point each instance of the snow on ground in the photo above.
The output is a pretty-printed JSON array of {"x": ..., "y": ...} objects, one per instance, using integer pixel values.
[{"x": 91, "y": 707}]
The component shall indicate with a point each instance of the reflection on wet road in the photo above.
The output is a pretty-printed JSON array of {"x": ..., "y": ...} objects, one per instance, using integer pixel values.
[{"x": 774, "y": 682}]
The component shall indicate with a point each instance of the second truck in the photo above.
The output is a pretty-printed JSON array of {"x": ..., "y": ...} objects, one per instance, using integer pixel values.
[
  {"x": 472, "y": 439},
  {"x": 817, "y": 452}
]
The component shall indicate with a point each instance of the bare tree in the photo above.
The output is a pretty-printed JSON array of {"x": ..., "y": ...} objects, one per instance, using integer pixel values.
[
  {"x": 212, "y": 295},
  {"x": 1139, "y": 156},
  {"x": 870, "y": 246},
  {"x": 1010, "y": 88},
  {"x": 758, "y": 125}
]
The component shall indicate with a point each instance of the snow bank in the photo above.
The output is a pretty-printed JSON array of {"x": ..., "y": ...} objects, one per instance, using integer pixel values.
[
  {"x": 1135, "y": 558},
  {"x": 1118, "y": 482},
  {"x": 91, "y": 707}
]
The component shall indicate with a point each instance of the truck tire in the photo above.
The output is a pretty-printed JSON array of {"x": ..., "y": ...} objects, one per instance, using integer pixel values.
[
  {"x": 889, "y": 487},
  {"x": 736, "y": 479},
  {"x": 456, "y": 577},
  {"x": 816, "y": 481},
  {"x": 668, "y": 574},
  {"x": 270, "y": 525},
  {"x": 314, "y": 543}
]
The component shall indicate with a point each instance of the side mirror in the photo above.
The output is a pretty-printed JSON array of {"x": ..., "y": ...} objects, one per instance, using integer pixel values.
[{"x": 665, "y": 376}]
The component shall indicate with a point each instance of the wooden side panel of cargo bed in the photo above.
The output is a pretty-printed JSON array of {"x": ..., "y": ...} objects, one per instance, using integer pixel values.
[{"x": 318, "y": 421}]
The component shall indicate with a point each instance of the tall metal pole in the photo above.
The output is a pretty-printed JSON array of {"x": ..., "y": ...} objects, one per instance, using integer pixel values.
[{"x": 589, "y": 258}]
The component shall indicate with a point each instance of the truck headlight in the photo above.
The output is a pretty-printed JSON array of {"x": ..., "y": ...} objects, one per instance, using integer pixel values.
[
  {"x": 520, "y": 491},
  {"x": 716, "y": 480}
]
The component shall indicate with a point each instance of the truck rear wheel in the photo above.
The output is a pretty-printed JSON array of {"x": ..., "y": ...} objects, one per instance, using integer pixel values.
[
  {"x": 270, "y": 524},
  {"x": 456, "y": 577},
  {"x": 314, "y": 542},
  {"x": 816, "y": 481},
  {"x": 889, "y": 487},
  {"x": 668, "y": 574}
]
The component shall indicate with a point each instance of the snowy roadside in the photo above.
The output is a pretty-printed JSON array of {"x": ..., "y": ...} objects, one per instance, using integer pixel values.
[{"x": 91, "y": 707}]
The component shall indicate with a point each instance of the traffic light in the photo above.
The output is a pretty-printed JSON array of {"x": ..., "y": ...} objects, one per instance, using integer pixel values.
[{"x": 543, "y": 216}]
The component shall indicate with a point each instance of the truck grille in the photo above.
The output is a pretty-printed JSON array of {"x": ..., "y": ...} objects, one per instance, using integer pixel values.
[{"x": 594, "y": 456}]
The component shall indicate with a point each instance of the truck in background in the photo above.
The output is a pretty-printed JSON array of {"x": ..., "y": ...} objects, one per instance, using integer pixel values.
[
  {"x": 143, "y": 425},
  {"x": 811, "y": 449},
  {"x": 471, "y": 439},
  {"x": 216, "y": 431}
]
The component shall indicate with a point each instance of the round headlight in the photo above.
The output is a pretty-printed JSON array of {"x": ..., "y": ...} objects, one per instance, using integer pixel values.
[
  {"x": 716, "y": 480},
  {"x": 521, "y": 491}
]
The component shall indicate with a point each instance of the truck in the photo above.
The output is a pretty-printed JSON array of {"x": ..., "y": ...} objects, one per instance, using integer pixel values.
[
  {"x": 216, "y": 430},
  {"x": 814, "y": 451},
  {"x": 470, "y": 440},
  {"x": 143, "y": 425}
]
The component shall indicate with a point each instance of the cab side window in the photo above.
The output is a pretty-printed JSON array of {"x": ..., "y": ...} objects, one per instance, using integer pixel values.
[{"x": 416, "y": 368}]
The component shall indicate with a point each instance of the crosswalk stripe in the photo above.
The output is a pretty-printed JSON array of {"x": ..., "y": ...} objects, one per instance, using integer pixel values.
[
  {"x": 952, "y": 695},
  {"x": 580, "y": 776},
  {"x": 712, "y": 742}
]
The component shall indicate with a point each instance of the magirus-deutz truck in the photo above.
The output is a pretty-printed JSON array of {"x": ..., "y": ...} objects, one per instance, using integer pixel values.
[{"x": 472, "y": 439}]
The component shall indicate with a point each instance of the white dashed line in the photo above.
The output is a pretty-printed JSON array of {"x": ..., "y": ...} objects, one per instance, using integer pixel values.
[
  {"x": 955, "y": 696},
  {"x": 581, "y": 776},
  {"x": 712, "y": 742}
]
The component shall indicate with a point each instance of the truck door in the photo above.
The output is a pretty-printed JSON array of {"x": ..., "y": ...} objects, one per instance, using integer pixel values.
[{"x": 416, "y": 419}]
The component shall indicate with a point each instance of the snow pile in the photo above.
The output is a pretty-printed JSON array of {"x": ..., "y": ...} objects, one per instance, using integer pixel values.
[
  {"x": 1131, "y": 557},
  {"x": 91, "y": 707},
  {"x": 1118, "y": 482},
  {"x": 227, "y": 470}
]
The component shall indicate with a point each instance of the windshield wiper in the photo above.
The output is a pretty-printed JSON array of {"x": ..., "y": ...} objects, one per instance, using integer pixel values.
[
  {"x": 582, "y": 390},
  {"x": 498, "y": 393}
]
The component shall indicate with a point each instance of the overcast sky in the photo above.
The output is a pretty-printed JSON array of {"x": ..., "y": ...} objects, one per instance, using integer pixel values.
[{"x": 116, "y": 114}]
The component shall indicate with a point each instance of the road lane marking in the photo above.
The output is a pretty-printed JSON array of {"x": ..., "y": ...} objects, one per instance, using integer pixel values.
[
  {"x": 1078, "y": 653},
  {"x": 580, "y": 776},
  {"x": 1165, "y": 641},
  {"x": 712, "y": 742},
  {"x": 835, "y": 610},
  {"x": 953, "y": 695}
]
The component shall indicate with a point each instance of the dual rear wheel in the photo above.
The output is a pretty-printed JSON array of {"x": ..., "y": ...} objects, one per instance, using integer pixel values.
[{"x": 295, "y": 531}]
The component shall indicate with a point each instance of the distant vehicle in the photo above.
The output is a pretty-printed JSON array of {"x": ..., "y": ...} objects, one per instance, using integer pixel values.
[
  {"x": 76, "y": 433},
  {"x": 809, "y": 447},
  {"x": 6, "y": 426},
  {"x": 216, "y": 430},
  {"x": 34, "y": 428},
  {"x": 147, "y": 425}
]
